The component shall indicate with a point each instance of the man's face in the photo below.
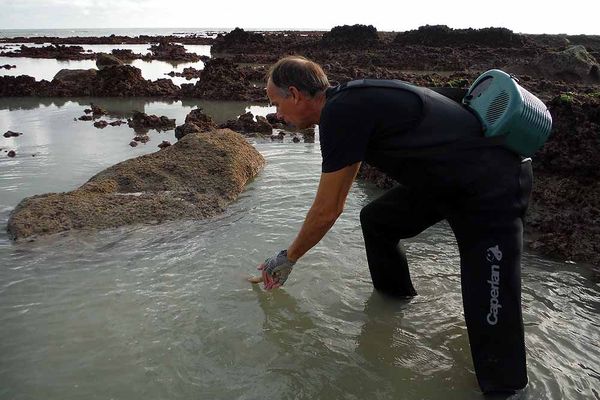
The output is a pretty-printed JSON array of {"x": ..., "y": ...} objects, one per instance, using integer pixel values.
[{"x": 291, "y": 108}]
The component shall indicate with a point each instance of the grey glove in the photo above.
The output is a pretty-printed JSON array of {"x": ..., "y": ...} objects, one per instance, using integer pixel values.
[{"x": 277, "y": 269}]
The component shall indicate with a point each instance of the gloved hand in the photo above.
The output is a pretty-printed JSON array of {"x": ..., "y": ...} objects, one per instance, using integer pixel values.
[{"x": 276, "y": 269}]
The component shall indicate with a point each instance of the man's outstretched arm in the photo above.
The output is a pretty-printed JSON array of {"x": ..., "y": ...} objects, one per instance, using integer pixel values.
[{"x": 328, "y": 205}]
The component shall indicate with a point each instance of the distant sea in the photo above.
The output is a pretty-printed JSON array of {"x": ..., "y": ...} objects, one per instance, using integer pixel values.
[{"x": 132, "y": 32}]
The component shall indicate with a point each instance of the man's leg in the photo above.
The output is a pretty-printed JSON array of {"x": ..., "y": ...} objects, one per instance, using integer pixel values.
[
  {"x": 490, "y": 244},
  {"x": 398, "y": 214}
]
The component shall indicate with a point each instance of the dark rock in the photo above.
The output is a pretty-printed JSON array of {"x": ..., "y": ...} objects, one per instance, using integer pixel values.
[
  {"x": 133, "y": 143},
  {"x": 351, "y": 35},
  {"x": 104, "y": 60},
  {"x": 186, "y": 129},
  {"x": 168, "y": 51},
  {"x": 11, "y": 153},
  {"x": 201, "y": 120},
  {"x": 117, "y": 123},
  {"x": 572, "y": 64},
  {"x": 97, "y": 111},
  {"x": 79, "y": 76},
  {"x": 101, "y": 124},
  {"x": 221, "y": 79},
  {"x": 195, "y": 178},
  {"x": 246, "y": 124},
  {"x": 164, "y": 143},
  {"x": 8, "y": 134},
  {"x": 296, "y": 139},
  {"x": 86, "y": 118},
  {"x": 236, "y": 40},
  {"x": 141, "y": 121},
  {"x": 142, "y": 138},
  {"x": 57, "y": 52},
  {"x": 442, "y": 35}
]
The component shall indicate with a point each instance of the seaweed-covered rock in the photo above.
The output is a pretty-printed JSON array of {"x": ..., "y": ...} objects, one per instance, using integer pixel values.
[
  {"x": 572, "y": 64},
  {"x": 195, "y": 178}
]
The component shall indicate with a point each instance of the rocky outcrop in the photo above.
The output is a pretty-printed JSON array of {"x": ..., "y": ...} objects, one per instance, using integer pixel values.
[
  {"x": 105, "y": 60},
  {"x": 195, "y": 178},
  {"x": 222, "y": 80},
  {"x": 572, "y": 64},
  {"x": 142, "y": 122},
  {"x": 57, "y": 52},
  {"x": 236, "y": 40},
  {"x": 442, "y": 35},
  {"x": 351, "y": 36},
  {"x": 246, "y": 123},
  {"x": 9, "y": 134},
  {"x": 195, "y": 121},
  {"x": 167, "y": 51}
]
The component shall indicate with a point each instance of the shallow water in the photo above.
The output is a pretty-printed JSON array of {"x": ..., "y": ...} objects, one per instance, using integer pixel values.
[
  {"x": 45, "y": 68},
  {"x": 163, "y": 311}
]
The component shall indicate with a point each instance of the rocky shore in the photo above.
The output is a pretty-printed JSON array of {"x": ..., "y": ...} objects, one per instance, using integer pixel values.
[{"x": 562, "y": 70}]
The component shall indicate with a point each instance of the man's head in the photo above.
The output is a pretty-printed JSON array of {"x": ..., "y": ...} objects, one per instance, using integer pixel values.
[{"x": 296, "y": 86}]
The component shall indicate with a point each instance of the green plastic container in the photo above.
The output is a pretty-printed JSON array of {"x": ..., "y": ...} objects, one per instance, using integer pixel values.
[{"x": 508, "y": 112}]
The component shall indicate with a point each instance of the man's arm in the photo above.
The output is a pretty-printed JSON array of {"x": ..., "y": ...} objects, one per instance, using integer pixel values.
[{"x": 325, "y": 210}]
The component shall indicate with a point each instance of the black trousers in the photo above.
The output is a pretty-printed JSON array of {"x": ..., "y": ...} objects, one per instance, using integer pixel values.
[{"x": 485, "y": 205}]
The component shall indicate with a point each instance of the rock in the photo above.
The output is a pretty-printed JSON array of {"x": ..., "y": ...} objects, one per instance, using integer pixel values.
[
  {"x": 86, "y": 118},
  {"x": 443, "y": 36},
  {"x": 101, "y": 124},
  {"x": 165, "y": 143},
  {"x": 221, "y": 79},
  {"x": 167, "y": 51},
  {"x": 195, "y": 178},
  {"x": 572, "y": 64},
  {"x": 80, "y": 76},
  {"x": 186, "y": 129},
  {"x": 97, "y": 110},
  {"x": 236, "y": 40},
  {"x": 201, "y": 120},
  {"x": 351, "y": 35},
  {"x": 8, "y": 134},
  {"x": 296, "y": 139},
  {"x": 104, "y": 60},
  {"x": 142, "y": 121},
  {"x": 87, "y": 111},
  {"x": 142, "y": 138},
  {"x": 117, "y": 123},
  {"x": 246, "y": 124},
  {"x": 7, "y": 66},
  {"x": 11, "y": 153},
  {"x": 133, "y": 143}
]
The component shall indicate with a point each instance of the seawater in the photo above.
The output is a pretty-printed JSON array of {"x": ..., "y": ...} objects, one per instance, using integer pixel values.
[{"x": 163, "y": 311}]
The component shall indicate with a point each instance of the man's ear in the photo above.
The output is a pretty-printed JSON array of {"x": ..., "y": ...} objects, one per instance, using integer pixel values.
[{"x": 295, "y": 93}]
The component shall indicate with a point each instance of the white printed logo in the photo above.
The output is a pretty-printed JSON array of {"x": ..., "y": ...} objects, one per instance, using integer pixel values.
[{"x": 493, "y": 256}]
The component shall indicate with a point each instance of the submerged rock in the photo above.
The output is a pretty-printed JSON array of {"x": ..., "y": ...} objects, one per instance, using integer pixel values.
[
  {"x": 8, "y": 134},
  {"x": 195, "y": 178}
]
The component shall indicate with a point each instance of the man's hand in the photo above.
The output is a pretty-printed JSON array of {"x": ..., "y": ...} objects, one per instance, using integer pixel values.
[{"x": 276, "y": 269}]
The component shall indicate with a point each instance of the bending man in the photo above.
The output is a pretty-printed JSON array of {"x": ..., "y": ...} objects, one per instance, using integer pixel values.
[{"x": 409, "y": 132}]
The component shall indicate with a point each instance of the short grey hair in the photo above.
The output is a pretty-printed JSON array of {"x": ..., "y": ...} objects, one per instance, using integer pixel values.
[{"x": 300, "y": 72}]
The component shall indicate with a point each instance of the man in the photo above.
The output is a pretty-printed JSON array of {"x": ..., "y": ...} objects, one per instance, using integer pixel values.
[{"x": 414, "y": 134}]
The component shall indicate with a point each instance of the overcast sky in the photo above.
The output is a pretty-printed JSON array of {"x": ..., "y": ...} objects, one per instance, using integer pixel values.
[{"x": 572, "y": 17}]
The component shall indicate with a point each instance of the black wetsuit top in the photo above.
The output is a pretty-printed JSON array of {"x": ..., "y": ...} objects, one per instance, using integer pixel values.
[{"x": 390, "y": 127}]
